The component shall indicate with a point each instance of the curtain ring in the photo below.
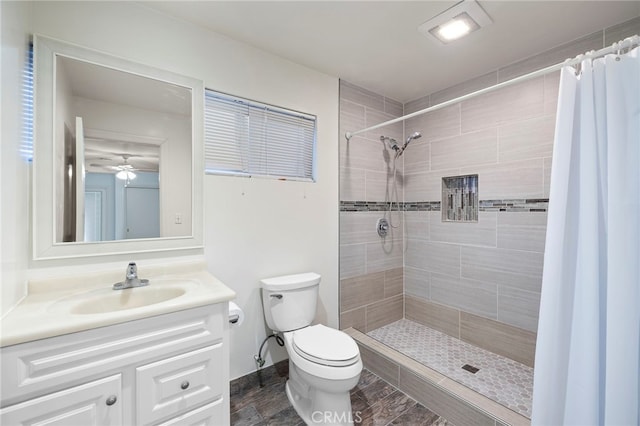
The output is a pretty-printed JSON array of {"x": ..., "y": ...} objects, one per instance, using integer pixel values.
[
  {"x": 618, "y": 48},
  {"x": 578, "y": 65}
]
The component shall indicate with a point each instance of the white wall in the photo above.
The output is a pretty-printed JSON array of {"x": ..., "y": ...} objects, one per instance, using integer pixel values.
[
  {"x": 14, "y": 169},
  {"x": 254, "y": 228}
]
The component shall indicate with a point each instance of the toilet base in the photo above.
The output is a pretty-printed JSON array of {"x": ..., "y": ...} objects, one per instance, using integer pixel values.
[
  {"x": 301, "y": 405},
  {"x": 317, "y": 407}
]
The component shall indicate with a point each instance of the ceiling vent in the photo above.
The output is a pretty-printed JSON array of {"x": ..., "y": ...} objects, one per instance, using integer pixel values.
[{"x": 456, "y": 22}]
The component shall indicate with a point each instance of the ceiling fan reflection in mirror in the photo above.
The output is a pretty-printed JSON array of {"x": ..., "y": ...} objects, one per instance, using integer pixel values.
[{"x": 124, "y": 170}]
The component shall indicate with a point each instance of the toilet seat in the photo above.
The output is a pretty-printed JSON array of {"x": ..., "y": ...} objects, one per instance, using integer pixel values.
[
  {"x": 326, "y": 372},
  {"x": 325, "y": 346}
]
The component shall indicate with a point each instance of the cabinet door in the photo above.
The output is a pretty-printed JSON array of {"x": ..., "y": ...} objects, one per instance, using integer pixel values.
[
  {"x": 175, "y": 385},
  {"x": 85, "y": 405}
]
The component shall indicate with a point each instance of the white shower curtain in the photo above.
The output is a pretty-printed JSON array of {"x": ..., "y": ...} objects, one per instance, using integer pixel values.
[{"x": 587, "y": 365}]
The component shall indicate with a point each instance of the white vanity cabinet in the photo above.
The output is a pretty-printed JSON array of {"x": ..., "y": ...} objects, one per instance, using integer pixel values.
[
  {"x": 94, "y": 403},
  {"x": 169, "y": 369},
  {"x": 191, "y": 379}
]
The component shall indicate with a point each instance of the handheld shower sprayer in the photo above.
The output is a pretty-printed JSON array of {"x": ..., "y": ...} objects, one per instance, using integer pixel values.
[
  {"x": 384, "y": 225},
  {"x": 393, "y": 144},
  {"x": 416, "y": 135}
]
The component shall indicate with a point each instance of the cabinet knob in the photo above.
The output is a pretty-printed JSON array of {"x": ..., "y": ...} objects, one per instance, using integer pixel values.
[
  {"x": 184, "y": 385},
  {"x": 111, "y": 400}
]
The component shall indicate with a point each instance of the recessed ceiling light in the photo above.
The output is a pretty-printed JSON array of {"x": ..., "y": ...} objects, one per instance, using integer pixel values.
[
  {"x": 455, "y": 28},
  {"x": 456, "y": 22}
]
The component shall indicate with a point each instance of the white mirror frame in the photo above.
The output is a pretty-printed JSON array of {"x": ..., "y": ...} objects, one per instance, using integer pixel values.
[{"x": 43, "y": 226}]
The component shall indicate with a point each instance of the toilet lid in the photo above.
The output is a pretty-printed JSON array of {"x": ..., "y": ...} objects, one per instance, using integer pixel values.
[{"x": 326, "y": 346}]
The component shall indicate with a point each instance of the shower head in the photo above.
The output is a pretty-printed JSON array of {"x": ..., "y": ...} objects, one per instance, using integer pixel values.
[{"x": 392, "y": 142}]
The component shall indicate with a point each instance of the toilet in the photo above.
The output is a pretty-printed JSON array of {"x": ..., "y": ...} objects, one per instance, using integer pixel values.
[{"x": 324, "y": 363}]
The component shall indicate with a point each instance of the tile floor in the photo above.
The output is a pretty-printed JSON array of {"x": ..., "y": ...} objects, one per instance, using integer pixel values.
[
  {"x": 374, "y": 402},
  {"x": 499, "y": 378}
]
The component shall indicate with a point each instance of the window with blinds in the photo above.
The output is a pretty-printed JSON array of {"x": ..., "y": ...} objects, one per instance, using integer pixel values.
[
  {"x": 247, "y": 138},
  {"x": 26, "y": 145}
]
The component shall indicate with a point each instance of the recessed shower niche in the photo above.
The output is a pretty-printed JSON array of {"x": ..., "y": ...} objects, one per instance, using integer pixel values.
[{"x": 460, "y": 198}]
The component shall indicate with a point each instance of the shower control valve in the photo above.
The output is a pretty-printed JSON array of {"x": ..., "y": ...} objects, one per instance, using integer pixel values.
[{"x": 382, "y": 227}]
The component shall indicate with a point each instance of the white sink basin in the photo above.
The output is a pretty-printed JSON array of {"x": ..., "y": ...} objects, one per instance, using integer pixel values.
[
  {"x": 107, "y": 300},
  {"x": 125, "y": 299}
]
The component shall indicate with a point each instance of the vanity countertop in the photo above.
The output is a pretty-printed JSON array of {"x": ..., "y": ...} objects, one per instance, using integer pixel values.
[{"x": 62, "y": 305}]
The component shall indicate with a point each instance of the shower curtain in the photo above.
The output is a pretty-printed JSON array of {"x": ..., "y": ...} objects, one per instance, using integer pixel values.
[{"x": 587, "y": 365}]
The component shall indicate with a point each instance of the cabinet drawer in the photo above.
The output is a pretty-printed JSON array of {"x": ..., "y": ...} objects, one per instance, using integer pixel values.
[
  {"x": 30, "y": 369},
  {"x": 209, "y": 415},
  {"x": 174, "y": 385},
  {"x": 83, "y": 405}
]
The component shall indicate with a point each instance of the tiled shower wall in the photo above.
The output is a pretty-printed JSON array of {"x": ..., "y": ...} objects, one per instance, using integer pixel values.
[
  {"x": 371, "y": 268},
  {"x": 478, "y": 281},
  {"x": 492, "y": 268}
]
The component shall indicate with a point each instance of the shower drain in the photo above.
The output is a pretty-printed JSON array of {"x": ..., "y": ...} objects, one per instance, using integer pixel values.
[{"x": 470, "y": 368}]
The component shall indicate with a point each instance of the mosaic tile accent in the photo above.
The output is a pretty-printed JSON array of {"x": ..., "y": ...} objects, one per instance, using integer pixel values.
[
  {"x": 520, "y": 205},
  {"x": 369, "y": 206},
  {"x": 501, "y": 379},
  {"x": 527, "y": 205},
  {"x": 422, "y": 206},
  {"x": 460, "y": 198}
]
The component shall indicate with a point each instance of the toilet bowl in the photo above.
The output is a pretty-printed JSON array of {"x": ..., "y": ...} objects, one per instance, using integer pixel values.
[{"x": 324, "y": 363}]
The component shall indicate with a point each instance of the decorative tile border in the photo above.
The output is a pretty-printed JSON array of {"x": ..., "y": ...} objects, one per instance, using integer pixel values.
[
  {"x": 369, "y": 206},
  {"x": 523, "y": 205},
  {"x": 422, "y": 206},
  {"x": 511, "y": 205}
]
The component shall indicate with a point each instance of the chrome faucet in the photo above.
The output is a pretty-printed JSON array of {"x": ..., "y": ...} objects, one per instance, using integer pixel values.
[{"x": 131, "y": 278}]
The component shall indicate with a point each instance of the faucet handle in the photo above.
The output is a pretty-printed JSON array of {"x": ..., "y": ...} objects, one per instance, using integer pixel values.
[
  {"x": 131, "y": 278},
  {"x": 132, "y": 271}
]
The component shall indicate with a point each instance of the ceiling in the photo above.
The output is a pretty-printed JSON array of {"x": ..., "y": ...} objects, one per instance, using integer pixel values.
[{"x": 376, "y": 44}]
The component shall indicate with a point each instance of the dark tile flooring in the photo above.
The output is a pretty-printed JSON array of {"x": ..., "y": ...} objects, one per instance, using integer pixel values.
[{"x": 374, "y": 402}]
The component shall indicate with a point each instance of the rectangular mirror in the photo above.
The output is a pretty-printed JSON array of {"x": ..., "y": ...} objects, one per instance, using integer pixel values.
[{"x": 117, "y": 155}]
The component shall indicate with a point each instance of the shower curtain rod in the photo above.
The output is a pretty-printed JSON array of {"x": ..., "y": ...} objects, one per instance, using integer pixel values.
[{"x": 615, "y": 47}]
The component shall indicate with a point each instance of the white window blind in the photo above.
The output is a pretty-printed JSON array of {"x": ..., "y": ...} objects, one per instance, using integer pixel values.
[
  {"x": 26, "y": 146},
  {"x": 248, "y": 138}
]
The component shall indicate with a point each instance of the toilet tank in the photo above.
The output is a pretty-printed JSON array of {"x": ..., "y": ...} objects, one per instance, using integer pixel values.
[{"x": 290, "y": 301}]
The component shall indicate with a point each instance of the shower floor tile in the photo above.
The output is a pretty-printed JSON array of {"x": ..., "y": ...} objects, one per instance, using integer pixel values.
[{"x": 499, "y": 378}]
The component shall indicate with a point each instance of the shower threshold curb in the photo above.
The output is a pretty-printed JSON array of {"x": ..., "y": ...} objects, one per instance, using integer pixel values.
[{"x": 444, "y": 396}]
